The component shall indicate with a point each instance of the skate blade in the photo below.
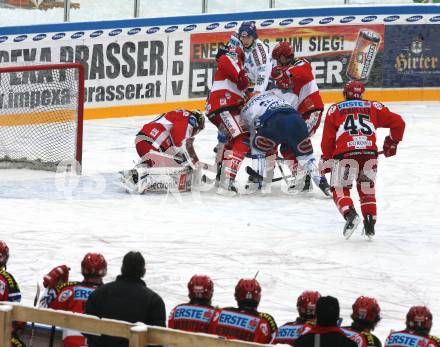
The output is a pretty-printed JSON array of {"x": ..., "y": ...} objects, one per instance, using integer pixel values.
[
  {"x": 225, "y": 192},
  {"x": 349, "y": 232},
  {"x": 369, "y": 237}
]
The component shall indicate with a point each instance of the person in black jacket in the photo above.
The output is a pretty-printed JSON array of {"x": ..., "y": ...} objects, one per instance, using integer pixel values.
[
  {"x": 326, "y": 333},
  {"x": 127, "y": 299}
]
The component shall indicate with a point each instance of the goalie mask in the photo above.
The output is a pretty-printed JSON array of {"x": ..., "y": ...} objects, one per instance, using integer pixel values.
[
  {"x": 4, "y": 254},
  {"x": 199, "y": 120}
]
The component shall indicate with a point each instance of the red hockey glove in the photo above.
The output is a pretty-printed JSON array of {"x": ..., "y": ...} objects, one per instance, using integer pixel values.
[
  {"x": 278, "y": 72},
  {"x": 242, "y": 80},
  {"x": 389, "y": 147},
  {"x": 325, "y": 166},
  {"x": 55, "y": 276}
]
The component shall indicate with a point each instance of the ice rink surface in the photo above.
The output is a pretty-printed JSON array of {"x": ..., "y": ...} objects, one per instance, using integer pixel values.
[{"x": 295, "y": 242}]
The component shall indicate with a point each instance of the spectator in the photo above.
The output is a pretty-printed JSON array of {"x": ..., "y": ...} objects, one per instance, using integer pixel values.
[
  {"x": 326, "y": 333},
  {"x": 128, "y": 299}
]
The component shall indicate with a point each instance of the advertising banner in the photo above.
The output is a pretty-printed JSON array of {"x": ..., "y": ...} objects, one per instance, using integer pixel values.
[{"x": 145, "y": 66}]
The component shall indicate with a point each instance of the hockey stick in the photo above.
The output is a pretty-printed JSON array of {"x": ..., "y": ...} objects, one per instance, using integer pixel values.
[
  {"x": 37, "y": 296},
  {"x": 254, "y": 174}
]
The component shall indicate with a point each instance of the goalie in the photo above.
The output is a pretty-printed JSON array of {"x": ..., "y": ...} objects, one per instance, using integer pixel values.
[{"x": 165, "y": 147}]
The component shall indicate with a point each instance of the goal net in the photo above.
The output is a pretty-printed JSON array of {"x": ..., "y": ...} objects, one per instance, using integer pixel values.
[{"x": 41, "y": 116}]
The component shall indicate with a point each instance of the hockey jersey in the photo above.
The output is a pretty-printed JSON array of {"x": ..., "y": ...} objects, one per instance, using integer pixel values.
[
  {"x": 252, "y": 326},
  {"x": 191, "y": 317},
  {"x": 258, "y": 65},
  {"x": 405, "y": 338},
  {"x": 228, "y": 88},
  {"x": 289, "y": 333},
  {"x": 9, "y": 290},
  {"x": 304, "y": 86},
  {"x": 351, "y": 126},
  {"x": 170, "y": 129},
  {"x": 72, "y": 296}
]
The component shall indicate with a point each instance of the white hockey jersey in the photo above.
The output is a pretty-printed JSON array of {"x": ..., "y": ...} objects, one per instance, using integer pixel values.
[{"x": 258, "y": 65}]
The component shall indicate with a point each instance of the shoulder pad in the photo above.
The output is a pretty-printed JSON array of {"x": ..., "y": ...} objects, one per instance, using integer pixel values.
[
  {"x": 270, "y": 319},
  {"x": 61, "y": 286},
  {"x": 9, "y": 278},
  {"x": 378, "y": 105}
]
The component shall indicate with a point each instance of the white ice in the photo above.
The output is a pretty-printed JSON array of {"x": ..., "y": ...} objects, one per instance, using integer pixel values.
[{"x": 295, "y": 242}]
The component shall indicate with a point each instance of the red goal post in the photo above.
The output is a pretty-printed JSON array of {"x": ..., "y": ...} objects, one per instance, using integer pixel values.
[{"x": 41, "y": 116}]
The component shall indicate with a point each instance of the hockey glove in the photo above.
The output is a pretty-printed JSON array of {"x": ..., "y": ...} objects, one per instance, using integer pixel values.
[
  {"x": 56, "y": 275},
  {"x": 242, "y": 80},
  {"x": 389, "y": 147}
]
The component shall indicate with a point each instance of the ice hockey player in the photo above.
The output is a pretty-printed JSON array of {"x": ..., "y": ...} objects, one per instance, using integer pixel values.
[
  {"x": 349, "y": 138},
  {"x": 289, "y": 332},
  {"x": 245, "y": 322},
  {"x": 196, "y": 315},
  {"x": 295, "y": 82},
  {"x": 418, "y": 327},
  {"x": 9, "y": 291},
  {"x": 223, "y": 110},
  {"x": 273, "y": 121},
  {"x": 171, "y": 134},
  {"x": 72, "y": 296},
  {"x": 365, "y": 316}
]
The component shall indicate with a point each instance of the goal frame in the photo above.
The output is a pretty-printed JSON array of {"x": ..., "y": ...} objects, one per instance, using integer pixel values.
[{"x": 80, "y": 106}]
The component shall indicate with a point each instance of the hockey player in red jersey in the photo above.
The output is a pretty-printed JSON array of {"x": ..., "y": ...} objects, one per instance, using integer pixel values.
[
  {"x": 418, "y": 327},
  {"x": 72, "y": 296},
  {"x": 223, "y": 109},
  {"x": 349, "y": 138},
  {"x": 9, "y": 291},
  {"x": 245, "y": 322},
  {"x": 172, "y": 132},
  {"x": 365, "y": 316},
  {"x": 297, "y": 85},
  {"x": 196, "y": 315},
  {"x": 289, "y": 332}
]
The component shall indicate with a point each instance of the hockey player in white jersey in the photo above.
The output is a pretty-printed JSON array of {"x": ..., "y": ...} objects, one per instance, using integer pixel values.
[{"x": 272, "y": 121}]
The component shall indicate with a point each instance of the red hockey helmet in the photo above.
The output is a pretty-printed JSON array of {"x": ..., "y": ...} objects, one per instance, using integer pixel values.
[
  {"x": 4, "y": 253},
  {"x": 283, "y": 49},
  {"x": 354, "y": 90},
  {"x": 200, "y": 287},
  {"x": 419, "y": 318},
  {"x": 248, "y": 289},
  {"x": 366, "y": 309},
  {"x": 94, "y": 264},
  {"x": 306, "y": 304}
]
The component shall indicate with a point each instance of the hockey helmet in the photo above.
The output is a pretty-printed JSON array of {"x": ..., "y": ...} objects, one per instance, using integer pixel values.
[
  {"x": 4, "y": 254},
  {"x": 366, "y": 310},
  {"x": 94, "y": 265},
  {"x": 306, "y": 304},
  {"x": 247, "y": 28},
  {"x": 283, "y": 49},
  {"x": 354, "y": 90},
  {"x": 200, "y": 118},
  {"x": 200, "y": 287},
  {"x": 248, "y": 290},
  {"x": 419, "y": 318},
  {"x": 237, "y": 54}
]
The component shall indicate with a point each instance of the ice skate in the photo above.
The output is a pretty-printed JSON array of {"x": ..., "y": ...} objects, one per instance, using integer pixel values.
[
  {"x": 369, "y": 226},
  {"x": 352, "y": 220}
]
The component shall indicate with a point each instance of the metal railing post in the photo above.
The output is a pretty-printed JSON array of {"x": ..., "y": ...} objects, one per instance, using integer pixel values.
[
  {"x": 204, "y": 6},
  {"x": 67, "y": 10},
  {"x": 137, "y": 5},
  {"x": 346, "y": 2},
  {"x": 272, "y": 3}
]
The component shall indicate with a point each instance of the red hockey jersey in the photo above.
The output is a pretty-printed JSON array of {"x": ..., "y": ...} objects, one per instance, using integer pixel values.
[
  {"x": 243, "y": 325},
  {"x": 305, "y": 87},
  {"x": 227, "y": 89},
  {"x": 191, "y": 317},
  {"x": 351, "y": 126},
  {"x": 170, "y": 129},
  {"x": 72, "y": 296}
]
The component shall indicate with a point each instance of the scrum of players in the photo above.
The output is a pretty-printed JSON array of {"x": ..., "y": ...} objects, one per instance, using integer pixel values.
[
  {"x": 241, "y": 322},
  {"x": 266, "y": 106}
]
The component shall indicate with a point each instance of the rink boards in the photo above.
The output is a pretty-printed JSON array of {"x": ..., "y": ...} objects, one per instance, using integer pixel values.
[{"x": 147, "y": 66}]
